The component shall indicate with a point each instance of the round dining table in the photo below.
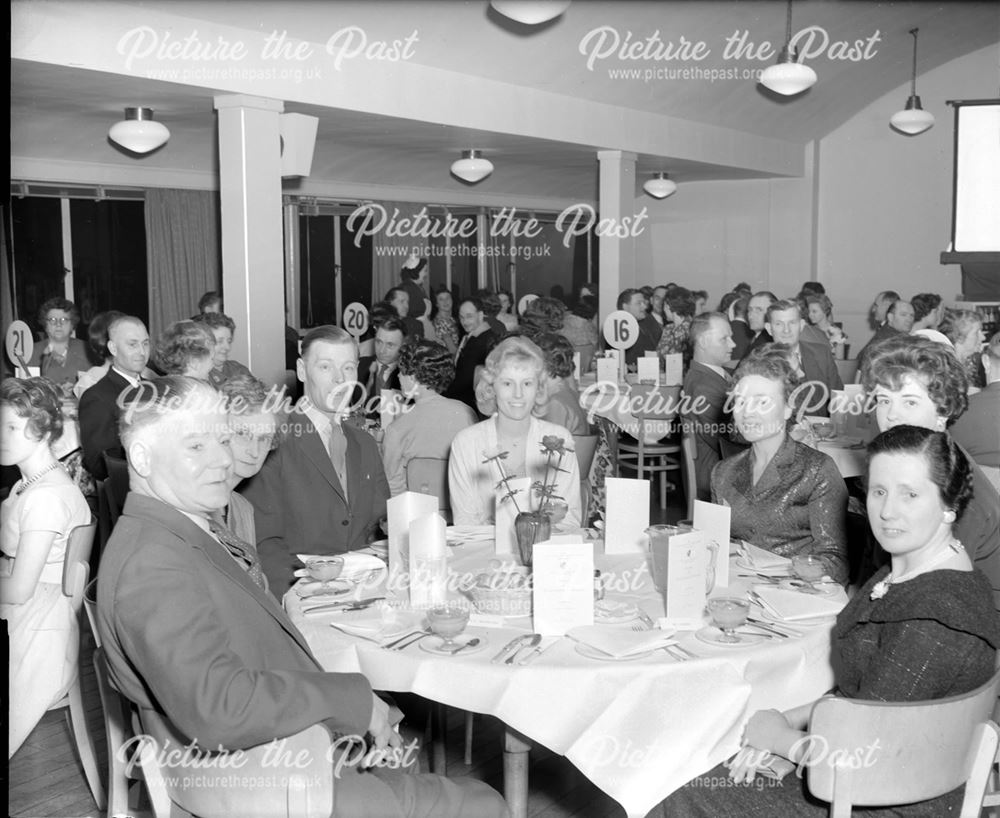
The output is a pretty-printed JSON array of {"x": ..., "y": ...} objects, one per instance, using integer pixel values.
[
  {"x": 618, "y": 403},
  {"x": 638, "y": 728}
]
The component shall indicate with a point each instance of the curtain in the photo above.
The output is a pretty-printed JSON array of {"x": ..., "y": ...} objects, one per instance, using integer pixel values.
[
  {"x": 498, "y": 260},
  {"x": 391, "y": 252},
  {"x": 183, "y": 252},
  {"x": 6, "y": 279}
]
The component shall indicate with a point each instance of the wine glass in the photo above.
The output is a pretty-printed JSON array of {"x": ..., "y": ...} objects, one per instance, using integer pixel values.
[
  {"x": 447, "y": 622},
  {"x": 809, "y": 568},
  {"x": 729, "y": 613},
  {"x": 325, "y": 570}
]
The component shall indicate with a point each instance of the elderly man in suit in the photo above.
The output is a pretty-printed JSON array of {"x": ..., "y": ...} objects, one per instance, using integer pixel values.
[
  {"x": 814, "y": 364},
  {"x": 705, "y": 395},
  {"x": 977, "y": 431},
  {"x": 100, "y": 405},
  {"x": 207, "y": 656},
  {"x": 323, "y": 490}
]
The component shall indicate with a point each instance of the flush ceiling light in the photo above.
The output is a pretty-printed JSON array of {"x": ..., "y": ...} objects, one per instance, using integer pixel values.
[
  {"x": 138, "y": 132},
  {"x": 788, "y": 76},
  {"x": 912, "y": 119},
  {"x": 472, "y": 167},
  {"x": 660, "y": 187},
  {"x": 530, "y": 12}
]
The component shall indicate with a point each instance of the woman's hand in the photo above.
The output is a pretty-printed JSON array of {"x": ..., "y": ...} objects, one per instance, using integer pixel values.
[
  {"x": 766, "y": 729},
  {"x": 744, "y": 765}
]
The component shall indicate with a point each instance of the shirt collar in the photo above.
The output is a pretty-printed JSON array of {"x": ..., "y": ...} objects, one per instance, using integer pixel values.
[{"x": 132, "y": 379}]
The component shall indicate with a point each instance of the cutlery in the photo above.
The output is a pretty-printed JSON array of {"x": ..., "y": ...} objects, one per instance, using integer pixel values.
[
  {"x": 674, "y": 652},
  {"x": 646, "y": 619},
  {"x": 470, "y": 644},
  {"x": 400, "y": 639},
  {"x": 356, "y": 605},
  {"x": 534, "y": 653},
  {"x": 513, "y": 643},
  {"x": 527, "y": 642},
  {"x": 765, "y": 626},
  {"x": 683, "y": 652},
  {"x": 776, "y": 627},
  {"x": 397, "y": 645}
]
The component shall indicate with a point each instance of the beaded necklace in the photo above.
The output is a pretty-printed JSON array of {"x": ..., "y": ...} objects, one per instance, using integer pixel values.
[
  {"x": 881, "y": 588},
  {"x": 23, "y": 484}
]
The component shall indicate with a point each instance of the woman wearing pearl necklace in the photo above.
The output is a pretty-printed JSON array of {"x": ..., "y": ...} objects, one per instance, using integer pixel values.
[{"x": 35, "y": 521}]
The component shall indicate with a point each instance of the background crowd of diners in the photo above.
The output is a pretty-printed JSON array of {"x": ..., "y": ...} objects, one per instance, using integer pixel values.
[{"x": 477, "y": 377}]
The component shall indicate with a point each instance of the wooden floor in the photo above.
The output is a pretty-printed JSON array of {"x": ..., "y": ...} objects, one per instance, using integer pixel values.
[{"x": 46, "y": 780}]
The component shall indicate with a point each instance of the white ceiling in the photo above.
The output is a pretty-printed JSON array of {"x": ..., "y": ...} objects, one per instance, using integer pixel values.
[{"x": 62, "y": 113}]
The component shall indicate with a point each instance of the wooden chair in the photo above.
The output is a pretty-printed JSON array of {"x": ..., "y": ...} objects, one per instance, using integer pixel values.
[
  {"x": 429, "y": 475},
  {"x": 690, "y": 477},
  {"x": 116, "y": 483},
  {"x": 76, "y": 569},
  {"x": 915, "y": 751},
  {"x": 658, "y": 405}
]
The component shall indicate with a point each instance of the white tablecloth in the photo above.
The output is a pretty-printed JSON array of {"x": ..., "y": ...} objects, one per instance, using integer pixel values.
[
  {"x": 637, "y": 729},
  {"x": 612, "y": 401}
]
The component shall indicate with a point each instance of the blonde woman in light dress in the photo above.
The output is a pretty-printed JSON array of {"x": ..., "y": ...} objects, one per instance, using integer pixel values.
[{"x": 44, "y": 506}]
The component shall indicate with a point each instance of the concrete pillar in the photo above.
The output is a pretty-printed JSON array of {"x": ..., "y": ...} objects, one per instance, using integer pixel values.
[
  {"x": 616, "y": 256},
  {"x": 252, "y": 246}
]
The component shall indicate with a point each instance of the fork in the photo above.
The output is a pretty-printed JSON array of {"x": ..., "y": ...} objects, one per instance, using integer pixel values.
[{"x": 645, "y": 622}]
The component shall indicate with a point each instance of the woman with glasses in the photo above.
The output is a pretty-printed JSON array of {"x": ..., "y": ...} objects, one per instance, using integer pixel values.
[{"x": 59, "y": 356}]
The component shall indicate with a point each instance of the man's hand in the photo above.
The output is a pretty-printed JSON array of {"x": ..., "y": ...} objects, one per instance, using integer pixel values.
[{"x": 383, "y": 734}]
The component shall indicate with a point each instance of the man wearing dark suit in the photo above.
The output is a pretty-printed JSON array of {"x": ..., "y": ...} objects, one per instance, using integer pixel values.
[
  {"x": 100, "y": 405},
  {"x": 977, "y": 430},
  {"x": 381, "y": 370},
  {"x": 204, "y": 652},
  {"x": 898, "y": 321},
  {"x": 323, "y": 491},
  {"x": 815, "y": 365},
  {"x": 650, "y": 330},
  {"x": 756, "y": 319},
  {"x": 705, "y": 394},
  {"x": 742, "y": 334},
  {"x": 400, "y": 299}
]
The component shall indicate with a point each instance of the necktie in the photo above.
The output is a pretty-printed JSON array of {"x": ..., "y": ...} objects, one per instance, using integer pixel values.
[
  {"x": 338, "y": 454},
  {"x": 242, "y": 551}
]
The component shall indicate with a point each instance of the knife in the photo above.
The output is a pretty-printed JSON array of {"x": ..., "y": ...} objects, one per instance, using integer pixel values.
[
  {"x": 764, "y": 626},
  {"x": 527, "y": 642},
  {"x": 356, "y": 605},
  {"x": 513, "y": 643},
  {"x": 533, "y": 653}
]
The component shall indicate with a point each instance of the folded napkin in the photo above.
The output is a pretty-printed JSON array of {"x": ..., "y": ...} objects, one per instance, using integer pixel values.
[
  {"x": 469, "y": 533},
  {"x": 621, "y": 642},
  {"x": 762, "y": 560},
  {"x": 378, "y": 624},
  {"x": 793, "y": 606},
  {"x": 355, "y": 564}
]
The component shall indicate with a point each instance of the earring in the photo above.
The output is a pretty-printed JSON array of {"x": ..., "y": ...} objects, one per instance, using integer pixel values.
[
  {"x": 949, "y": 516},
  {"x": 939, "y": 425}
]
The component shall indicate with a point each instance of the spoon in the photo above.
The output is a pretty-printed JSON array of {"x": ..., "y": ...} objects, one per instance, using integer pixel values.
[{"x": 470, "y": 644}]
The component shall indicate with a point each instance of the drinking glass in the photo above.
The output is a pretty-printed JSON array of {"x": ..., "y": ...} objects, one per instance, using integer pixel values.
[
  {"x": 808, "y": 568},
  {"x": 325, "y": 569},
  {"x": 729, "y": 613},
  {"x": 448, "y": 621}
]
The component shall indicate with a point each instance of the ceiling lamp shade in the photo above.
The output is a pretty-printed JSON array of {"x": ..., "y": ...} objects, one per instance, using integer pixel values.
[
  {"x": 530, "y": 12},
  {"x": 912, "y": 119},
  {"x": 472, "y": 167},
  {"x": 788, "y": 77},
  {"x": 660, "y": 187},
  {"x": 138, "y": 132}
]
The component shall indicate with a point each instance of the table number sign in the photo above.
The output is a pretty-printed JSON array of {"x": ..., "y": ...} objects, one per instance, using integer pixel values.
[
  {"x": 356, "y": 319},
  {"x": 562, "y": 586},
  {"x": 627, "y": 515},
  {"x": 19, "y": 344},
  {"x": 401, "y": 511},
  {"x": 715, "y": 521}
]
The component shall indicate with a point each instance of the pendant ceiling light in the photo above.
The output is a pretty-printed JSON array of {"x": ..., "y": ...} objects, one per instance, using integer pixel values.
[
  {"x": 530, "y": 12},
  {"x": 472, "y": 167},
  {"x": 788, "y": 76},
  {"x": 912, "y": 119},
  {"x": 138, "y": 132},
  {"x": 660, "y": 187}
]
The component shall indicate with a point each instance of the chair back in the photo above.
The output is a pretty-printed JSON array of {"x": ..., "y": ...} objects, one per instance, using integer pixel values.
[
  {"x": 586, "y": 447},
  {"x": 116, "y": 483},
  {"x": 655, "y": 407},
  {"x": 429, "y": 475},
  {"x": 90, "y": 608},
  {"x": 688, "y": 471},
  {"x": 889, "y": 753},
  {"x": 76, "y": 567}
]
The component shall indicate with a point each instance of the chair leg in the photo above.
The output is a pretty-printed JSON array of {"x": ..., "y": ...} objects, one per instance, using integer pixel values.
[
  {"x": 85, "y": 744},
  {"x": 468, "y": 738},
  {"x": 663, "y": 489}
]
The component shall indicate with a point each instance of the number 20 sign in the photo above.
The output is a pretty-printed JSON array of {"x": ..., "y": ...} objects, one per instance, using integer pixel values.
[
  {"x": 356, "y": 319},
  {"x": 621, "y": 330}
]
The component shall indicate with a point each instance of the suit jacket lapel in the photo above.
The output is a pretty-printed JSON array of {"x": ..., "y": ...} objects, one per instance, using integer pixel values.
[{"x": 315, "y": 451}]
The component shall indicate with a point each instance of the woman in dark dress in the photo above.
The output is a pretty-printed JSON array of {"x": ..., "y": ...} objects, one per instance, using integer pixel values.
[{"x": 922, "y": 628}]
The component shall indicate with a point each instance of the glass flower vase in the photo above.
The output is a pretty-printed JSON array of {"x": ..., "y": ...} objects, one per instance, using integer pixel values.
[{"x": 530, "y": 527}]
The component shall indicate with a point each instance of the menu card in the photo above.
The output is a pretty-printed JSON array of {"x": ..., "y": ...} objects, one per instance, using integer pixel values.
[
  {"x": 626, "y": 515},
  {"x": 648, "y": 368},
  {"x": 504, "y": 535},
  {"x": 607, "y": 370},
  {"x": 402, "y": 510},
  {"x": 674, "y": 366},
  {"x": 714, "y": 520},
  {"x": 428, "y": 561},
  {"x": 562, "y": 586},
  {"x": 684, "y": 590}
]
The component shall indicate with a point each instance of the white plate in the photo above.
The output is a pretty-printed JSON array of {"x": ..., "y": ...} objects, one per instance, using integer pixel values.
[
  {"x": 713, "y": 636},
  {"x": 594, "y": 653},
  {"x": 794, "y": 623},
  {"x": 311, "y": 588},
  {"x": 611, "y": 613},
  {"x": 434, "y": 644}
]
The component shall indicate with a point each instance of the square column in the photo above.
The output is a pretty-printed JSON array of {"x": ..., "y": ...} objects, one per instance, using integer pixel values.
[
  {"x": 253, "y": 279},
  {"x": 616, "y": 256}
]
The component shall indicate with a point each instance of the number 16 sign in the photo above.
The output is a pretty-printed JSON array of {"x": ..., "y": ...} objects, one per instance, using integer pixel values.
[{"x": 621, "y": 330}]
